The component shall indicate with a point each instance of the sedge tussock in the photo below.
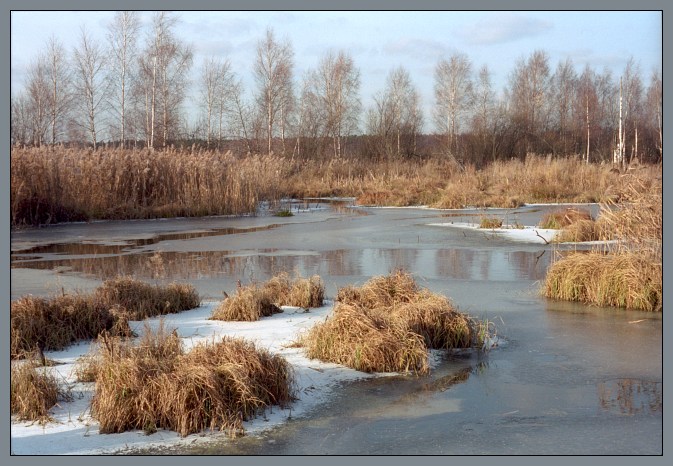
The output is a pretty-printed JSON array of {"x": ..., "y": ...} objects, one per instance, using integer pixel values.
[
  {"x": 57, "y": 322},
  {"x": 388, "y": 325},
  {"x": 33, "y": 392},
  {"x": 490, "y": 222},
  {"x": 615, "y": 279},
  {"x": 155, "y": 385},
  {"x": 252, "y": 302},
  {"x": 629, "y": 275},
  {"x": 559, "y": 219}
]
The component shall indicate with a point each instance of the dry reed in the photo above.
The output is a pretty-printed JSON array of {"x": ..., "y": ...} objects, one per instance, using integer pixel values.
[
  {"x": 55, "y": 323},
  {"x": 155, "y": 384},
  {"x": 490, "y": 222},
  {"x": 51, "y": 185},
  {"x": 562, "y": 218},
  {"x": 252, "y": 302},
  {"x": 388, "y": 325},
  {"x": 629, "y": 274},
  {"x": 33, "y": 392}
]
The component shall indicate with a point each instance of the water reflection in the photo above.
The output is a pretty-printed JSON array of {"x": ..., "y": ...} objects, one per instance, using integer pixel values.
[
  {"x": 461, "y": 264},
  {"x": 631, "y": 396}
]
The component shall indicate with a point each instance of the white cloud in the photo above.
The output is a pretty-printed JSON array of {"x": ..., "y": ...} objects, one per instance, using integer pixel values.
[{"x": 504, "y": 27}]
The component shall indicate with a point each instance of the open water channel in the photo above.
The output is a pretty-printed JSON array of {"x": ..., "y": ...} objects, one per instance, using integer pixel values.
[{"x": 567, "y": 378}]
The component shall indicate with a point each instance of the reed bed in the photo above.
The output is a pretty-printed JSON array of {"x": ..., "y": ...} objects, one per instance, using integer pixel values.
[
  {"x": 155, "y": 384},
  {"x": 50, "y": 185},
  {"x": 388, "y": 325},
  {"x": 562, "y": 218},
  {"x": 252, "y": 302},
  {"x": 627, "y": 274},
  {"x": 56, "y": 322},
  {"x": 33, "y": 392}
]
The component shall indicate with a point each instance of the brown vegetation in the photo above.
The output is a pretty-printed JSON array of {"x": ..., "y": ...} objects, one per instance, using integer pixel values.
[
  {"x": 155, "y": 384},
  {"x": 54, "y": 184},
  {"x": 254, "y": 301},
  {"x": 54, "y": 323},
  {"x": 33, "y": 392},
  {"x": 562, "y": 218},
  {"x": 630, "y": 273},
  {"x": 490, "y": 222},
  {"x": 387, "y": 325}
]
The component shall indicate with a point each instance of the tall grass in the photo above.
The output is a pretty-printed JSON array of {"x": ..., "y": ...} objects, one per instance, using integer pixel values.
[
  {"x": 55, "y": 323},
  {"x": 388, "y": 325},
  {"x": 629, "y": 273},
  {"x": 51, "y": 185},
  {"x": 33, "y": 392},
  {"x": 154, "y": 384},
  {"x": 254, "y": 301}
]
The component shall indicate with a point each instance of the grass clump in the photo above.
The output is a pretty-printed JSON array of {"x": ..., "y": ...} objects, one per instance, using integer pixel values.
[
  {"x": 629, "y": 274},
  {"x": 490, "y": 222},
  {"x": 142, "y": 300},
  {"x": 250, "y": 303},
  {"x": 54, "y": 323},
  {"x": 388, "y": 325},
  {"x": 33, "y": 392},
  {"x": 284, "y": 213},
  {"x": 254, "y": 301},
  {"x": 615, "y": 279},
  {"x": 156, "y": 385},
  {"x": 559, "y": 219}
]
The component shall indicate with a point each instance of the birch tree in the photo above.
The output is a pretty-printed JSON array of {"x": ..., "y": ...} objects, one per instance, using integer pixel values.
[
  {"x": 58, "y": 72},
  {"x": 122, "y": 37},
  {"x": 273, "y": 73},
  {"x": 90, "y": 84},
  {"x": 453, "y": 88}
]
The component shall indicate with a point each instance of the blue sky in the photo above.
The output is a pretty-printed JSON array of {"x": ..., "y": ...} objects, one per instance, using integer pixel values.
[{"x": 380, "y": 41}]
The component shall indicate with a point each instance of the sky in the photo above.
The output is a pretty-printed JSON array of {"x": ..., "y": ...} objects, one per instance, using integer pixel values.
[{"x": 379, "y": 41}]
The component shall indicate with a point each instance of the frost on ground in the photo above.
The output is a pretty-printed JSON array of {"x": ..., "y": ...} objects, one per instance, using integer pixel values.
[
  {"x": 526, "y": 234},
  {"x": 73, "y": 431}
]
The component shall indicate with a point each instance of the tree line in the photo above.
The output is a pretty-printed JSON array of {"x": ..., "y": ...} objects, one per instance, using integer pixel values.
[{"x": 130, "y": 90}]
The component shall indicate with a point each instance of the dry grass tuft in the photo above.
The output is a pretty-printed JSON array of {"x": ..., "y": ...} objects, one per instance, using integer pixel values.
[
  {"x": 630, "y": 275},
  {"x": 387, "y": 325},
  {"x": 33, "y": 392},
  {"x": 615, "y": 279},
  {"x": 490, "y": 222},
  {"x": 579, "y": 231},
  {"x": 217, "y": 386},
  {"x": 142, "y": 300},
  {"x": 57, "y": 322},
  {"x": 565, "y": 217},
  {"x": 252, "y": 302}
]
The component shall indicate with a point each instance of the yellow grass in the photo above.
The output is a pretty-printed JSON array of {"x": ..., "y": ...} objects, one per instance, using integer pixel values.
[
  {"x": 55, "y": 323},
  {"x": 388, "y": 325},
  {"x": 51, "y": 185},
  {"x": 630, "y": 274},
  {"x": 254, "y": 301},
  {"x": 33, "y": 392},
  {"x": 155, "y": 384}
]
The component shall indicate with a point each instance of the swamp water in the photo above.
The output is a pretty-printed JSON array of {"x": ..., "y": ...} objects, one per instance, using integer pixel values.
[{"x": 567, "y": 378}]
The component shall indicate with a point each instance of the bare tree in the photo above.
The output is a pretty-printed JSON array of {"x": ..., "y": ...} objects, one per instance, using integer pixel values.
[
  {"x": 163, "y": 80},
  {"x": 59, "y": 101},
  {"x": 21, "y": 119},
  {"x": 654, "y": 106},
  {"x": 397, "y": 116},
  {"x": 217, "y": 85},
  {"x": 37, "y": 100},
  {"x": 273, "y": 72},
  {"x": 563, "y": 85},
  {"x": 453, "y": 89},
  {"x": 530, "y": 86},
  {"x": 90, "y": 83},
  {"x": 632, "y": 101},
  {"x": 483, "y": 111},
  {"x": 335, "y": 84},
  {"x": 585, "y": 106},
  {"x": 122, "y": 36}
]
